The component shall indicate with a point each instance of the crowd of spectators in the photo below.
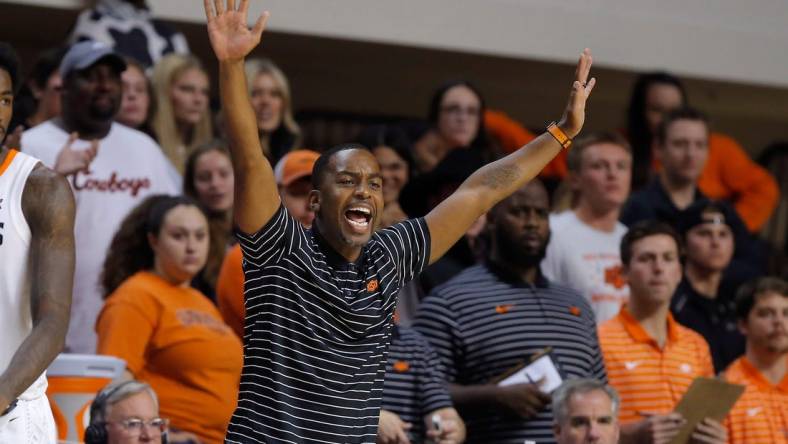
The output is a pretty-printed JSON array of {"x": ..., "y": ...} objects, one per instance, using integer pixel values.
[{"x": 649, "y": 275}]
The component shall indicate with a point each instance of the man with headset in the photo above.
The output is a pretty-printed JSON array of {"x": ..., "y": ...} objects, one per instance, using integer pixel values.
[{"x": 126, "y": 412}]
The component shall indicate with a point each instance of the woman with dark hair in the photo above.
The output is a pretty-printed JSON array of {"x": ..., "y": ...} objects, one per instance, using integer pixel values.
[
  {"x": 729, "y": 173},
  {"x": 39, "y": 98},
  {"x": 456, "y": 120},
  {"x": 653, "y": 95},
  {"x": 169, "y": 334},
  {"x": 391, "y": 148},
  {"x": 209, "y": 180}
]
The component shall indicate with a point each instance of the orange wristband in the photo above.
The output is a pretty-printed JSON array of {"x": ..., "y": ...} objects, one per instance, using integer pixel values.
[{"x": 559, "y": 135}]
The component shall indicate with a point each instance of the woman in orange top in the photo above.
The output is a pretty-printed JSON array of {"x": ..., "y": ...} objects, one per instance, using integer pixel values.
[{"x": 170, "y": 335}]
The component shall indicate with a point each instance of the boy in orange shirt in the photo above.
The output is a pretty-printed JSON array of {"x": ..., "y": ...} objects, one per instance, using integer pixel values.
[
  {"x": 651, "y": 359},
  {"x": 761, "y": 414}
]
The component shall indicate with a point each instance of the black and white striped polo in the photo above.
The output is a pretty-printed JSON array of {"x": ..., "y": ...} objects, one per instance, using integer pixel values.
[
  {"x": 317, "y": 330},
  {"x": 485, "y": 321},
  {"x": 415, "y": 384}
]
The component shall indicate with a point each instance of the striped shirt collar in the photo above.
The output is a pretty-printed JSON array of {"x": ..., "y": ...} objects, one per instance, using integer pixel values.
[
  {"x": 755, "y": 377},
  {"x": 639, "y": 334},
  {"x": 506, "y": 275}
]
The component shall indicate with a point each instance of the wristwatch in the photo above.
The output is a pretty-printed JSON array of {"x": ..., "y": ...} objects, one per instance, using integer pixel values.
[{"x": 10, "y": 407}]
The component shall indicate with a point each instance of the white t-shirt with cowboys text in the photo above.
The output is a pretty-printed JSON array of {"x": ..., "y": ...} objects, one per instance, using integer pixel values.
[{"x": 129, "y": 167}]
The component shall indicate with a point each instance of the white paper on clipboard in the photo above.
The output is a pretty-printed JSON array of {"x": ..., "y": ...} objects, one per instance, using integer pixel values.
[{"x": 542, "y": 368}]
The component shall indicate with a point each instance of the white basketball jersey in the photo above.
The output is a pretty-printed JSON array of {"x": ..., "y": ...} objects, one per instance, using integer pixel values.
[{"x": 16, "y": 320}]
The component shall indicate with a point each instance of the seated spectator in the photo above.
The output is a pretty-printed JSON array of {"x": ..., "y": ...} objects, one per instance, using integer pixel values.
[
  {"x": 491, "y": 317},
  {"x": 293, "y": 175},
  {"x": 269, "y": 93},
  {"x": 124, "y": 412},
  {"x": 704, "y": 300},
  {"x": 583, "y": 251},
  {"x": 137, "y": 103},
  {"x": 585, "y": 411},
  {"x": 182, "y": 120},
  {"x": 111, "y": 167},
  {"x": 39, "y": 98},
  {"x": 775, "y": 159},
  {"x": 169, "y": 334},
  {"x": 425, "y": 191},
  {"x": 681, "y": 146},
  {"x": 728, "y": 172},
  {"x": 390, "y": 147},
  {"x": 209, "y": 180},
  {"x": 455, "y": 121},
  {"x": 760, "y": 416},
  {"x": 128, "y": 27},
  {"x": 414, "y": 393},
  {"x": 651, "y": 359}
]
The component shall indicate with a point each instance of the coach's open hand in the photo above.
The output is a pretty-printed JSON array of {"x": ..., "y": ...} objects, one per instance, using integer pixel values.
[
  {"x": 230, "y": 36},
  {"x": 574, "y": 116}
]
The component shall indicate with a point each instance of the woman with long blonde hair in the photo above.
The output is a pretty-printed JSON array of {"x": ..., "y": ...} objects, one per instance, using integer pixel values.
[
  {"x": 182, "y": 120},
  {"x": 269, "y": 92}
]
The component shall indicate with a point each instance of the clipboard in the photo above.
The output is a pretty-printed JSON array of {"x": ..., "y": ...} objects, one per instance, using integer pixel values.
[{"x": 697, "y": 404}]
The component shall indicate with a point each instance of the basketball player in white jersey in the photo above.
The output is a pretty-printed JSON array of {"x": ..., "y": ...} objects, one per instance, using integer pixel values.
[{"x": 36, "y": 273}]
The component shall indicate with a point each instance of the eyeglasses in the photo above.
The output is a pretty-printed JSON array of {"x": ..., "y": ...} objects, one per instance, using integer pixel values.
[
  {"x": 456, "y": 110},
  {"x": 133, "y": 426}
]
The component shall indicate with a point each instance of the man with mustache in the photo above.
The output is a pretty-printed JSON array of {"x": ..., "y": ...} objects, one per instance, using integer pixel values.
[
  {"x": 760, "y": 416},
  {"x": 111, "y": 168},
  {"x": 319, "y": 302}
]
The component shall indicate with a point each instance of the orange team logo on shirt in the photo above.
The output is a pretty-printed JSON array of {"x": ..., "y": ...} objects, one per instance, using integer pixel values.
[
  {"x": 503, "y": 308},
  {"x": 574, "y": 310},
  {"x": 401, "y": 366},
  {"x": 615, "y": 277},
  {"x": 372, "y": 285}
]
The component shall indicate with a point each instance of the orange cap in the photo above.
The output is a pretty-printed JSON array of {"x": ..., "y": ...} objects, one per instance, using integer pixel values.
[{"x": 295, "y": 165}]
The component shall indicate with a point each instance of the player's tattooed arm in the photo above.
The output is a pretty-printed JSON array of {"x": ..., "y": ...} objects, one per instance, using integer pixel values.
[{"x": 48, "y": 206}]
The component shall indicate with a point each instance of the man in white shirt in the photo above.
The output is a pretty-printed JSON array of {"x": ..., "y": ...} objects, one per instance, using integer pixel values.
[
  {"x": 110, "y": 167},
  {"x": 583, "y": 251}
]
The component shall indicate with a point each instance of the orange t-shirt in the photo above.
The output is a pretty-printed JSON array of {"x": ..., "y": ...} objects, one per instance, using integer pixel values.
[
  {"x": 174, "y": 339},
  {"x": 230, "y": 290},
  {"x": 760, "y": 416},
  {"x": 650, "y": 379}
]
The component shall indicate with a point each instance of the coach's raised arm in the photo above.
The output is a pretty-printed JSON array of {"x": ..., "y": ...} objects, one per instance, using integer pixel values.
[
  {"x": 493, "y": 182},
  {"x": 256, "y": 195}
]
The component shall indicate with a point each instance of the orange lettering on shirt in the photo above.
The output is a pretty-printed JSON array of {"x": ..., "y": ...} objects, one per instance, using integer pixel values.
[
  {"x": 190, "y": 317},
  {"x": 614, "y": 277}
]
